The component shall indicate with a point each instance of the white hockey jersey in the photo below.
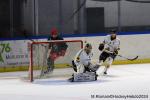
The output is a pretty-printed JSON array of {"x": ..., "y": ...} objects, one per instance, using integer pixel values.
[
  {"x": 82, "y": 58},
  {"x": 112, "y": 45}
]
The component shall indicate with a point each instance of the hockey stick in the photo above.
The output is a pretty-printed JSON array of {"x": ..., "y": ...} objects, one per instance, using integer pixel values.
[{"x": 131, "y": 59}]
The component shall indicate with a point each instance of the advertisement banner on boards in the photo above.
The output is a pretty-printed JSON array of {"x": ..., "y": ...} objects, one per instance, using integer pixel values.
[{"x": 14, "y": 53}]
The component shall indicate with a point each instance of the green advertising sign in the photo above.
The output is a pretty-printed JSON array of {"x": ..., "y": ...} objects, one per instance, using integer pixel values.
[{"x": 4, "y": 47}]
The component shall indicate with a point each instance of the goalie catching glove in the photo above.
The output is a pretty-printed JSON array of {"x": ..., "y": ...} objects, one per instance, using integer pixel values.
[{"x": 101, "y": 46}]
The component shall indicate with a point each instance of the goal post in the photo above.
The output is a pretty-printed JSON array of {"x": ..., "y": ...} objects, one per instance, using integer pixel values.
[{"x": 61, "y": 52}]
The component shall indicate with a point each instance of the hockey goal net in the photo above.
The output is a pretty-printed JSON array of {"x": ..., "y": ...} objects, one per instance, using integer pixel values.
[{"x": 59, "y": 53}]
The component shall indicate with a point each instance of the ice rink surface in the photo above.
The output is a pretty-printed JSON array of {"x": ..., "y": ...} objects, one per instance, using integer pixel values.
[{"x": 121, "y": 83}]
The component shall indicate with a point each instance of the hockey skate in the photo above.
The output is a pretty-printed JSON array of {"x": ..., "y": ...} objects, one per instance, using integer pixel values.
[{"x": 49, "y": 70}]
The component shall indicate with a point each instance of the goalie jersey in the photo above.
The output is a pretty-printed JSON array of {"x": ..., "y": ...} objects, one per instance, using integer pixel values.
[{"x": 82, "y": 58}]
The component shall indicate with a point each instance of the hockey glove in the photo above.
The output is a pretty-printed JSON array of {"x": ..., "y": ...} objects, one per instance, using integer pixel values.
[{"x": 101, "y": 46}]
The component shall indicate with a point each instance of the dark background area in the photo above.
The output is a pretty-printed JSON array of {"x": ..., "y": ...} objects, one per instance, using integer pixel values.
[{"x": 23, "y": 18}]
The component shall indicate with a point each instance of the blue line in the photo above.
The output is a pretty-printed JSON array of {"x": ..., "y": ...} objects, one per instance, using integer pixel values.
[{"x": 74, "y": 35}]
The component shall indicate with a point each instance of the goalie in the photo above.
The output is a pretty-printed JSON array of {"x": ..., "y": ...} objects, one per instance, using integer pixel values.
[
  {"x": 109, "y": 48},
  {"x": 83, "y": 67}
]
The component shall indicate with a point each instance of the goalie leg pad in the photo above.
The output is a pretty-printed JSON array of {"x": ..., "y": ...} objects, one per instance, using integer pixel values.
[
  {"x": 74, "y": 66},
  {"x": 84, "y": 77}
]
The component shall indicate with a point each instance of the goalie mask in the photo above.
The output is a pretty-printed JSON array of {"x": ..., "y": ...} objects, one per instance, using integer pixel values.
[{"x": 88, "y": 48}]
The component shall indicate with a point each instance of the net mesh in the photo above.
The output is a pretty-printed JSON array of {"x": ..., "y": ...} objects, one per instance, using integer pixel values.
[{"x": 54, "y": 54}]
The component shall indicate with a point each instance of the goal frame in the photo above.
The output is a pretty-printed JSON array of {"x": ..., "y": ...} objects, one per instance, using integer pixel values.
[{"x": 31, "y": 79}]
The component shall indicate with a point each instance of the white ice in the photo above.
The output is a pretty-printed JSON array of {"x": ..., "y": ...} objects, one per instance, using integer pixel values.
[{"x": 121, "y": 80}]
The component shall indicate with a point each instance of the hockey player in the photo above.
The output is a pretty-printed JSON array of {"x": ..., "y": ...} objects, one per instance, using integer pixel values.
[
  {"x": 109, "y": 48},
  {"x": 83, "y": 66},
  {"x": 56, "y": 50}
]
